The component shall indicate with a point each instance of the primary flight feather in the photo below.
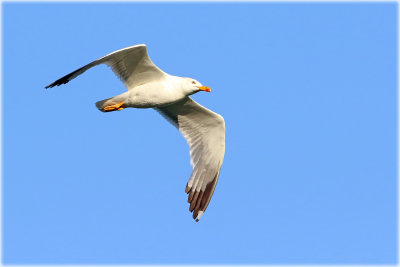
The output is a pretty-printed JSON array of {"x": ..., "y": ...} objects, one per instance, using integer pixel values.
[{"x": 150, "y": 87}]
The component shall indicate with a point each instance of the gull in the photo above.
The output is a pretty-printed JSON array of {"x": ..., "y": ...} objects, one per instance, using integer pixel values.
[{"x": 150, "y": 87}]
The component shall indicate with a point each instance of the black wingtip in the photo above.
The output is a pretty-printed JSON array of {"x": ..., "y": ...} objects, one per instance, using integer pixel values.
[
  {"x": 59, "y": 82},
  {"x": 50, "y": 86},
  {"x": 66, "y": 78}
]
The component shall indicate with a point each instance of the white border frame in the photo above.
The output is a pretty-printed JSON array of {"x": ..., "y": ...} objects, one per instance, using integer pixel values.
[{"x": 198, "y": 1}]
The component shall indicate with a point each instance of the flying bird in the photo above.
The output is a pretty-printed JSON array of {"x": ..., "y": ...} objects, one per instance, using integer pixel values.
[{"x": 150, "y": 87}]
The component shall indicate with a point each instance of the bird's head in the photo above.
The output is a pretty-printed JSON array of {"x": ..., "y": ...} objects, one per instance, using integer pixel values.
[{"x": 194, "y": 86}]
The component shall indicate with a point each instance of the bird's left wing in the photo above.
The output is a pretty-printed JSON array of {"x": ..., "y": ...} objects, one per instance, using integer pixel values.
[
  {"x": 132, "y": 65},
  {"x": 204, "y": 131}
]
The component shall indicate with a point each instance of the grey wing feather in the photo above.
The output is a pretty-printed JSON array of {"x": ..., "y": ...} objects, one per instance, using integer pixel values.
[
  {"x": 132, "y": 65},
  {"x": 204, "y": 131}
]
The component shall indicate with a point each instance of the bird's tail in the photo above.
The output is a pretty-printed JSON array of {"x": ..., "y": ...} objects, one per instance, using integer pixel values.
[
  {"x": 110, "y": 104},
  {"x": 102, "y": 104}
]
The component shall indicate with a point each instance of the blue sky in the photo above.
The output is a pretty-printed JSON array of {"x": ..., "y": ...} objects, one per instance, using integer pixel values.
[{"x": 309, "y": 96}]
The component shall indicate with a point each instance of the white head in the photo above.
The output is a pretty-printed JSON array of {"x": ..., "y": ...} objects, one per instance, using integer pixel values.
[{"x": 193, "y": 86}]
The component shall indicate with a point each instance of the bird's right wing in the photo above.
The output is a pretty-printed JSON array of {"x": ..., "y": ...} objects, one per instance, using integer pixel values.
[
  {"x": 132, "y": 65},
  {"x": 204, "y": 131}
]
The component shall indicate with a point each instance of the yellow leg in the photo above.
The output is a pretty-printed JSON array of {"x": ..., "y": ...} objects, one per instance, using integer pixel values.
[{"x": 114, "y": 107}]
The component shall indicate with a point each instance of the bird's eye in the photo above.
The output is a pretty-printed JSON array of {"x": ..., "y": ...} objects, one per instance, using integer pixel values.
[{"x": 193, "y": 82}]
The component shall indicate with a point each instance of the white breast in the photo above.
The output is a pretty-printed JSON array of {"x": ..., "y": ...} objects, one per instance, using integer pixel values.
[{"x": 155, "y": 94}]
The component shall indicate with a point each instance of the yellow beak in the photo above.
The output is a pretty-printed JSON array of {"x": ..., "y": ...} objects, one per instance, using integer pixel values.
[{"x": 205, "y": 88}]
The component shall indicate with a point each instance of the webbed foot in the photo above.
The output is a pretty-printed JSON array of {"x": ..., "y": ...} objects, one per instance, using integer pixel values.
[{"x": 114, "y": 107}]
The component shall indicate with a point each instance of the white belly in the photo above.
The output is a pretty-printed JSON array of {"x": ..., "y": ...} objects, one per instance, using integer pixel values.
[{"x": 151, "y": 95}]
